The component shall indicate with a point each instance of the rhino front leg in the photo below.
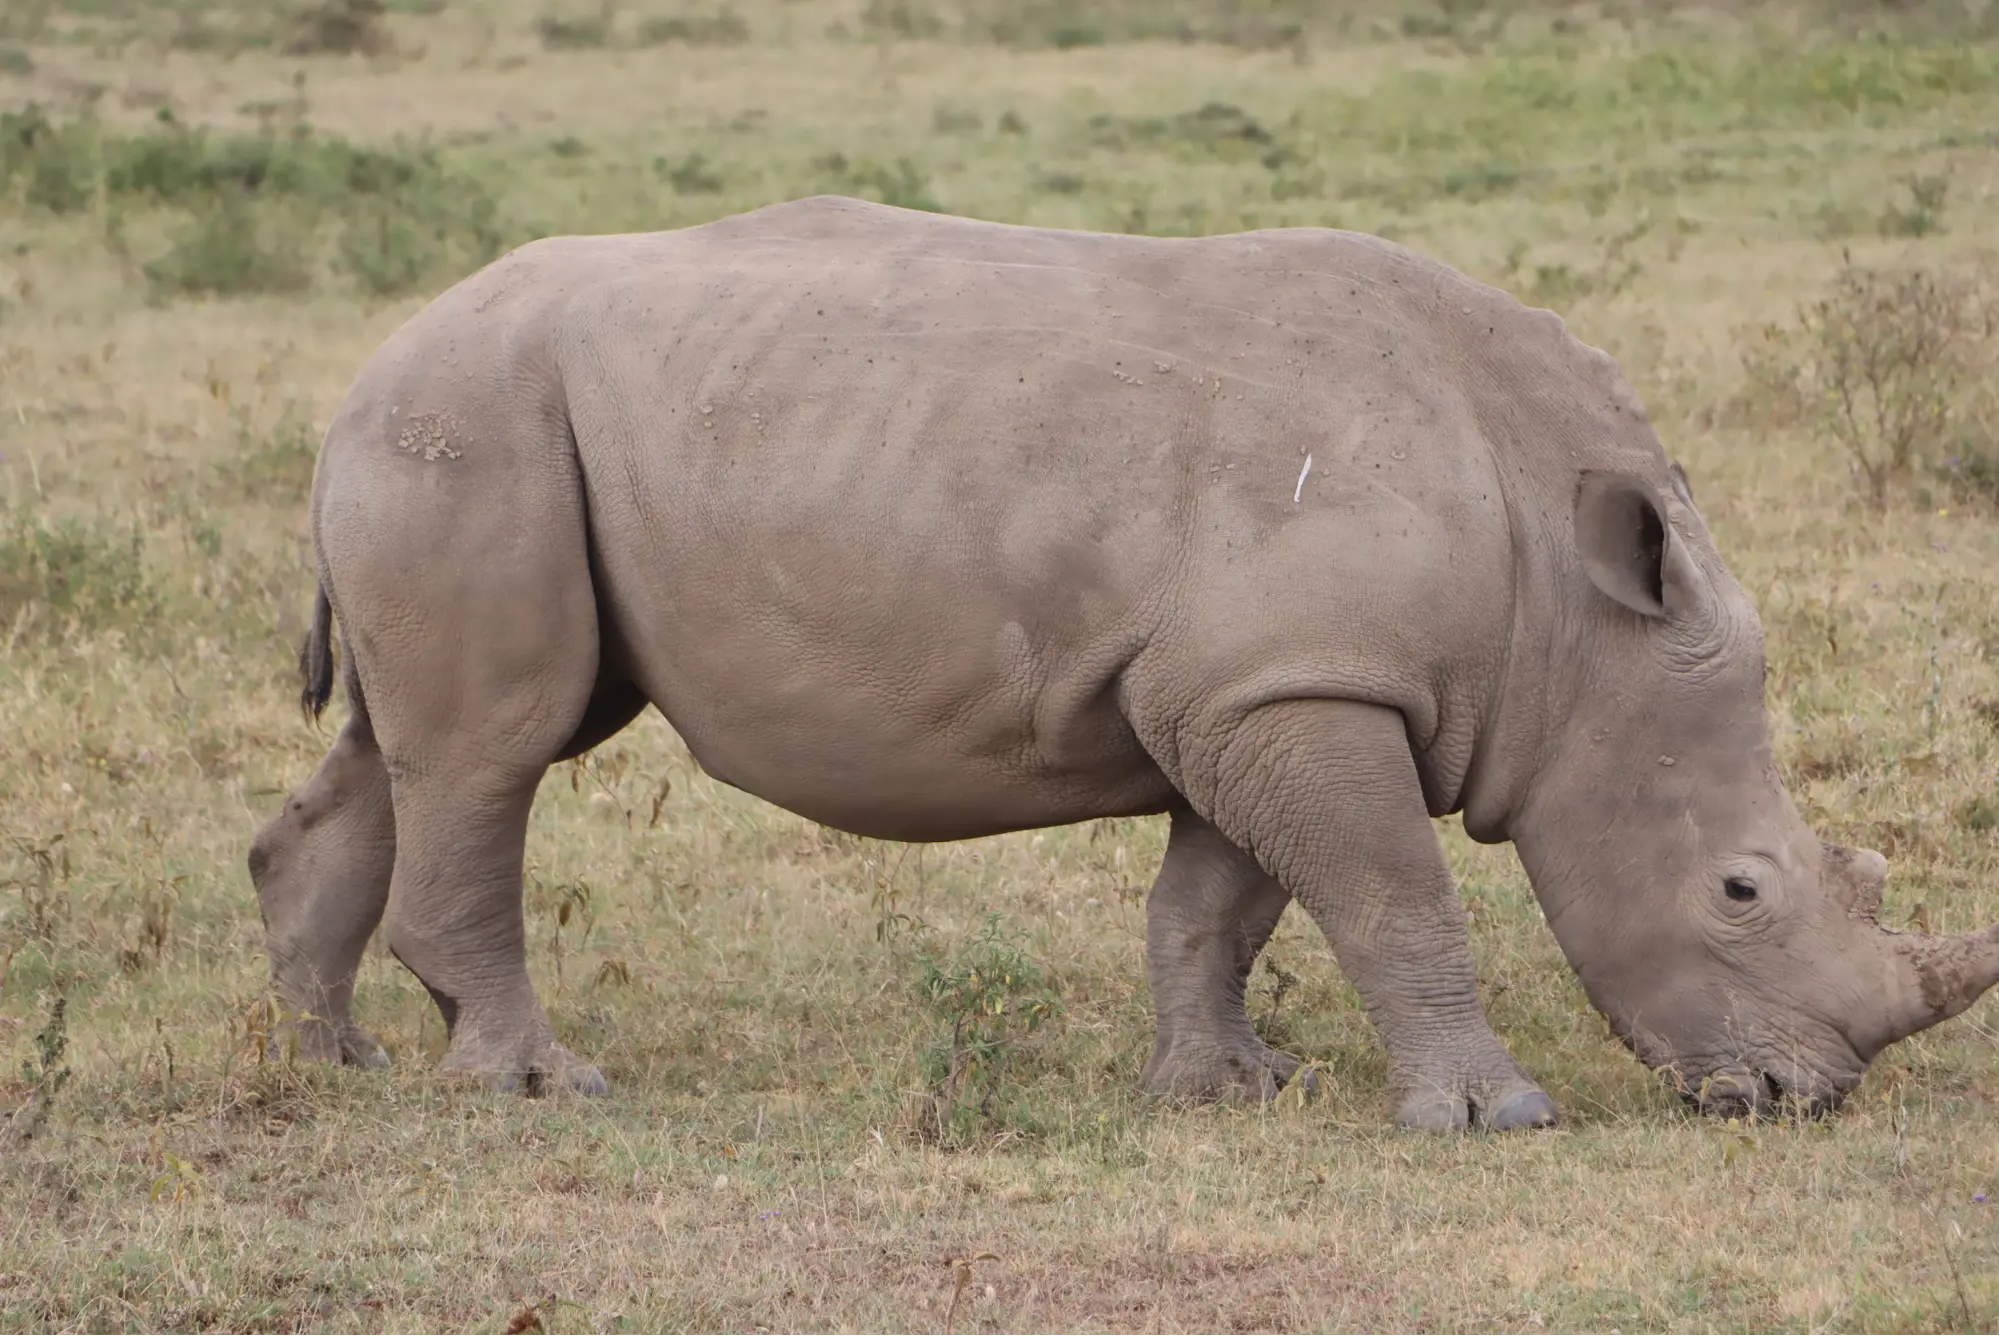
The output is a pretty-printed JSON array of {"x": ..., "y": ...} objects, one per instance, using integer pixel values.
[
  {"x": 1325, "y": 794},
  {"x": 1209, "y": 914}
]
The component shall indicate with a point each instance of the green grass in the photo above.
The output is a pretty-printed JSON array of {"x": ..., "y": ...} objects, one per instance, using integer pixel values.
[{"x": 781, "y": 1009}]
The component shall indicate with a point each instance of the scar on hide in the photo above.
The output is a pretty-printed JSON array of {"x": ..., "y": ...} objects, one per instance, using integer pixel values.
[{"x": 429, "y": 435}]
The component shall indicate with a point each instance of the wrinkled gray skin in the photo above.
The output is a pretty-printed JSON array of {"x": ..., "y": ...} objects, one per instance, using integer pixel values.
[{"x": 927, "y": 528}]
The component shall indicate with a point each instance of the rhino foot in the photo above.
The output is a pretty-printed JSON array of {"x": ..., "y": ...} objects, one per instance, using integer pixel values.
[
  {"x": 543, "y": 1068},
  {"x": 358, "y": 1048},
  {"x": 1243, "y": 1072},
  {"x": 1454, "y": 1108},
  {"x": 337, "y": 1044}
]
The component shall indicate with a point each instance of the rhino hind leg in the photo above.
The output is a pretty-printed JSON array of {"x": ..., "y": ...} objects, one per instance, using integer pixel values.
[
  {"x": 1209, "y": 914},
  {"x": 321, "y": 868},
  {"x": 1326, "y": 794},
  {"x": 467, "y": 598}
]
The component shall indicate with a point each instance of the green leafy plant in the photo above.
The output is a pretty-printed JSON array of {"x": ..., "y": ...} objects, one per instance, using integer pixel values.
[
  {"x": 720, "y": 27},
  {"x": 340, "y": 27},
  {"x": 1886, "y": 363},
  {"x": 45, "y": 1074},
  {"x": 267, "y": 212},
  {"x": 992, "y": 996},
  {"x": 90, "y": 572}
]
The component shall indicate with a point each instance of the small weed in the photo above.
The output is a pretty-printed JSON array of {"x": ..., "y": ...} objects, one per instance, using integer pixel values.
[
  {"x": 86, "y": 570},
  {"x": 721, "y": 27},
  {"x": 1924, "y": 214},
  {"x": 1973, "y": 472},
  {"x": 949, "y": 119},
  {"x": 232, "y": 248},
  {"x": 567, "y": 32},
  {"x": 24, "y": 20},
  {"x": 340, "y": 28},
  {"x": 47, "y": 867},
  {"x": 16, "y": 61},
  {"x": 1980, "y": 814},
  {"x": 1213, "y": 130},
  {"x": 45, "y": 1075},
  {"x": 992, "y": 996},
  {"x": 258, "y": 211},
  {"x": 692, "y": 175},
  {"x": 900, "y": 20},
  {"x": 1561, "y": 285},
  {"x": 904, "y": 185}
]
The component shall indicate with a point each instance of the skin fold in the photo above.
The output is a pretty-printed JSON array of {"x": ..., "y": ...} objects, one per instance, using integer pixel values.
[{"x": 928, "y": 528}]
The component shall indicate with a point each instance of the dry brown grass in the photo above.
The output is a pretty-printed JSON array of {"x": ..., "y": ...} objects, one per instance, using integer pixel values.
[{"x": 740, "y": 973}]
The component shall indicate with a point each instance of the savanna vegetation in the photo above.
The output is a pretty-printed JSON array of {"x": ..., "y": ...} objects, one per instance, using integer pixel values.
[{"x": 858, "y": 1085}]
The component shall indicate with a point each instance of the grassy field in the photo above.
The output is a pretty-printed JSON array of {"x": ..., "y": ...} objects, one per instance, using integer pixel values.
[{"x": 818, "y": 1120}]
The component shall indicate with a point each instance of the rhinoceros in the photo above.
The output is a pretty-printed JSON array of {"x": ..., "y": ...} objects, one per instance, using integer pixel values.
[{"x": 927, "y": 528}]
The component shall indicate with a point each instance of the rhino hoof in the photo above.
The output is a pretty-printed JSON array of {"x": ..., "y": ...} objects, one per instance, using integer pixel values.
[
  {"x": 1434, "y": 1111},
  {"x": 554, "y": 1071},
  {"x": 358, "y": 1048},
  {"x": 1250, "y": 1074},
  {"x": 1524, "y": 1108},
  {"x": 1444, "y": 1110}
]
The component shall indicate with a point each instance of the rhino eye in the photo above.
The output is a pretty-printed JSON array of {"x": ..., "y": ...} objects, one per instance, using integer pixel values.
[{"x": 1740, "y": 889}]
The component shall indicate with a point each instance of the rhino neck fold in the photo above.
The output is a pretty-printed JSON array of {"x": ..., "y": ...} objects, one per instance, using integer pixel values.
[{"x": 1524, "y": 697}]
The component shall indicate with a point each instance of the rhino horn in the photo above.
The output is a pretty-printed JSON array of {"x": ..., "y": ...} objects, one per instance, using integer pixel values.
[{"x": 1938, "y": 977}]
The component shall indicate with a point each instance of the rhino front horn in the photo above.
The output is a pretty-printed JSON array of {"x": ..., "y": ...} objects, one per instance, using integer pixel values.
[{"x": 1941, "y": 977}]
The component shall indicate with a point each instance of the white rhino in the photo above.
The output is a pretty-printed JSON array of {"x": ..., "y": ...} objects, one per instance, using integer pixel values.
[{"x": 927, "y": 528}]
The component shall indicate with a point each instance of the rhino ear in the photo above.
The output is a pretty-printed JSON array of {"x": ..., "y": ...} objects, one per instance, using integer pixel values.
[{"x": 1627, "y": 547}]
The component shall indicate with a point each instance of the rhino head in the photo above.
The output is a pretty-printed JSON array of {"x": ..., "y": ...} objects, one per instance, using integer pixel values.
[{"x": 1728, "y": 947}]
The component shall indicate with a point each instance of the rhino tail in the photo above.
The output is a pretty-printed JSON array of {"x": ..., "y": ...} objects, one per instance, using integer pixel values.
[{"x": 315, "y": 658}]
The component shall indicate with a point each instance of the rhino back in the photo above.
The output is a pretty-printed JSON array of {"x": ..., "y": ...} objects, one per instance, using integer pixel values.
[{"x": 927, "y": 527}]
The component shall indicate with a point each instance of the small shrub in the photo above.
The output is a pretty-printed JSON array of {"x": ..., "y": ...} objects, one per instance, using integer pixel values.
[
  {"x": 23, "y": 20},
  {"x": 1250, "y": 24},
  {"x": 52, "y": 163},
  {"x": 340, "y": 28},
  {"x": 1979, "y": 814},
  {"x": 1924, "y": 215},
  {"x": 949, "y": 119},
  {"x": 992, "y": 996},
  {"x": 567, "y": 33},
  {"x": 1213, "y": 130},
  {"x": 1972, "y": 474},
  {"x": 900, "y": 20},
  {"x": 272, "y": 465},
  {"x": 45, "y": 1077},
  {"x": 263, "y": 212},
  {"x": 15, "y": 61},
  {"x": 722, "y": 27},
  {"x": 1887, "y": 364},
  {"x": 232, "y": 248},
  {"x": 87, "y": 570},
  {"x": 692, "y": 175},
  {"x": 904, "y": 185}
]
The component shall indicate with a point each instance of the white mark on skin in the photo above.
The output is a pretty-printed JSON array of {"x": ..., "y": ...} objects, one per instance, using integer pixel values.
[
  {"x": 1298, "y": 492},
  {"x": 430, "y": 435}
]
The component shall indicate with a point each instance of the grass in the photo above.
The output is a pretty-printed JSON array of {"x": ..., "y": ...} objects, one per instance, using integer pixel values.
[{"x": 781, "y": 1009}]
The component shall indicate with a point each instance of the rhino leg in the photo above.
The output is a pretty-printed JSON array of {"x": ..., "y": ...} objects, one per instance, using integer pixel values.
[
  {"x": 321, "y": 867},
  {"x": 466, "y": 596},
  {"x": 1327, "y": 796},
  {"x": 1209, "y": 914}
]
